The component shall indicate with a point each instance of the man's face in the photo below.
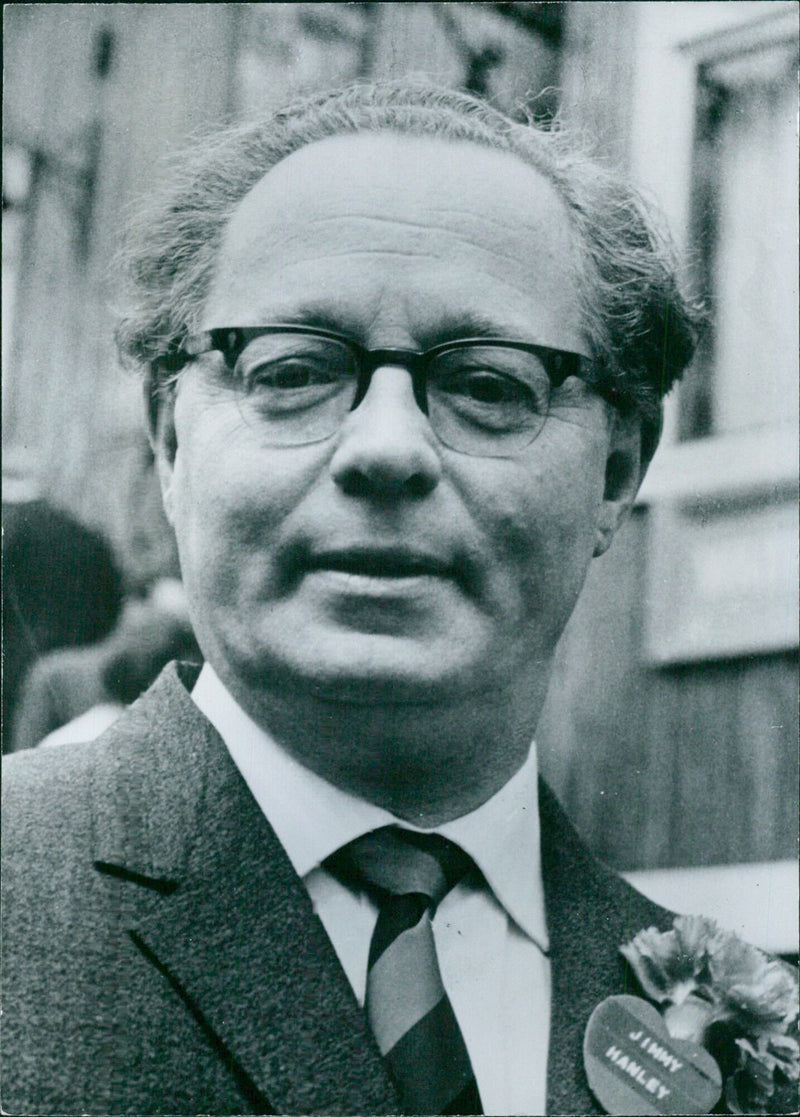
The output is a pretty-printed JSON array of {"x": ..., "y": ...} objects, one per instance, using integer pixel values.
[{"x": 380, "y": 565}]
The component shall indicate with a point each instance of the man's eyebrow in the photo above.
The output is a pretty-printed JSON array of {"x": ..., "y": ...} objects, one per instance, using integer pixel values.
[
  {"x": 316, "y": 314},
  {"x": 473, "y": 323}
]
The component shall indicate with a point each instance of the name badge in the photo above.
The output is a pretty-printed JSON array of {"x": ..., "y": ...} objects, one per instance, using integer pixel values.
[{"x": 635, "y": 1067}]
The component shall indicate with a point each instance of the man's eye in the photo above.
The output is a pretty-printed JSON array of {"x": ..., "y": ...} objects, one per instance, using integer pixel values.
[
  {"x": 488, "y": 389},
  {"x": 287, "y": 375}
]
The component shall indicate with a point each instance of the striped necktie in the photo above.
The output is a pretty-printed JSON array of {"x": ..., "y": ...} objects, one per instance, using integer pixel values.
[{"x": 408, "y": 874}]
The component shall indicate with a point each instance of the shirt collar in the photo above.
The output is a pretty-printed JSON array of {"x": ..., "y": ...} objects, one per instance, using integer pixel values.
[{"x": 313, "y": 818}]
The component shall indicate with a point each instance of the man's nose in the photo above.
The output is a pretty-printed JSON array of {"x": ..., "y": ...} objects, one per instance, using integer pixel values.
[{"x": 386, "y": 447}]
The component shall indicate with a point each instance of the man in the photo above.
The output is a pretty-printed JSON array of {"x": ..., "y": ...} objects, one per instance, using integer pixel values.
[{"x": 404, "y": 362}]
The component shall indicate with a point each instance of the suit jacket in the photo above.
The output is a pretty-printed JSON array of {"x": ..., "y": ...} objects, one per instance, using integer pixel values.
[{"x": 160, "y": 955}]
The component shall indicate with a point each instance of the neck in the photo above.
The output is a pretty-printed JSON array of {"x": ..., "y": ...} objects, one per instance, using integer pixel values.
[{"x": 427, "y": 763}]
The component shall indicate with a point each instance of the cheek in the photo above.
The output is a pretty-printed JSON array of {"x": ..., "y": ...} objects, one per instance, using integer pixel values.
[
  {"x": 216, "y": 490},
  {"x": 542, "y": 524},
  {"x": 230, "y": 493}
]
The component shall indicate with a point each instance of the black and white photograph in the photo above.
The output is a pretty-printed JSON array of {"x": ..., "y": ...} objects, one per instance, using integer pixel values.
[{"x": 400, "y": 559}]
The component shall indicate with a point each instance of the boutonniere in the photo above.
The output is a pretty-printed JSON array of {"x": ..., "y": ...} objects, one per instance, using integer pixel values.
[{"x": 724, "y": 1036}]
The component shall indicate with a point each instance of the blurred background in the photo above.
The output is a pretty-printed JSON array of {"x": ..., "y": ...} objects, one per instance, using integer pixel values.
[{"x": 671, "y": 729}]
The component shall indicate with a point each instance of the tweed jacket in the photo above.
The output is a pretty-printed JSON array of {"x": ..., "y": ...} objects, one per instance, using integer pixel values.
[{"x": 161, "y": 956}]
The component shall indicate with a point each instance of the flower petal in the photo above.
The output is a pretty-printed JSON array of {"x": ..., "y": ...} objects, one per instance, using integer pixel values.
[{"x": 673, "y": 964}]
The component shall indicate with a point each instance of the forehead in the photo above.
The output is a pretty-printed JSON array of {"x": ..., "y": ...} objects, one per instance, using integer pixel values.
[{"x": 400, "y": 232}]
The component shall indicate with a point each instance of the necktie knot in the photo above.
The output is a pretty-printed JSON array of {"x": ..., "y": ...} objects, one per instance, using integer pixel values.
[{"x": 391, "y": 862}]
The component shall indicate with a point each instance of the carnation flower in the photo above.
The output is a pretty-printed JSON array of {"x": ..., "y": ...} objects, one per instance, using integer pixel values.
[
  {"x": 758, "y": 992},
  {"x": 706, "y": 976},
  {"x": 672, "y": 965}
]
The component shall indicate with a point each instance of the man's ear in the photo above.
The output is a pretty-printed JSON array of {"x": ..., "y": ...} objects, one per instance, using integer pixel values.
[
  {"x": 161, "y": 432},
  {"x": 626, "y": 463}
]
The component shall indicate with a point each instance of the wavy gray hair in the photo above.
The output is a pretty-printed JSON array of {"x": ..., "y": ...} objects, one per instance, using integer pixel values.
[{"x": 641, "y": 327}]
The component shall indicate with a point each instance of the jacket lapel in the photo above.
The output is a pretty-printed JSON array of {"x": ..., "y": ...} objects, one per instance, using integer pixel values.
[
  {"x": 591, "y": 912},
  {"x": 233, "y": 927}
]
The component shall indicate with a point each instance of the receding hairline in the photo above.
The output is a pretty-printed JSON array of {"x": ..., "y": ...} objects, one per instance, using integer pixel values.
[
  {"x": 288, "y": 165},
  {"x": 392, "y": 134}
]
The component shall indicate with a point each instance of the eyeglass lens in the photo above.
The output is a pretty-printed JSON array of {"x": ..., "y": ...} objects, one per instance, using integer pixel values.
[{"x": 481, "y": 399}]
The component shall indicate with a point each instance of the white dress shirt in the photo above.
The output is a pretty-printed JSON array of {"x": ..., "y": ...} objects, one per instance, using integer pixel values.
[{"x": 491, "y": 938}]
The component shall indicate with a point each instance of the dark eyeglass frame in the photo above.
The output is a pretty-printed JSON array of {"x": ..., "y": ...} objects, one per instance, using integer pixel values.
[{"x": 230, "y": 341}]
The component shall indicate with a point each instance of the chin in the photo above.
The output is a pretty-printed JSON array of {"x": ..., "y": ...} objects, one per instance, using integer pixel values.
[{"x": 368, "y": 670}]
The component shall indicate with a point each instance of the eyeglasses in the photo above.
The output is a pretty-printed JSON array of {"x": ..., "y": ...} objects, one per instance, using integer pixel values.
[{"x": 483, "y": 396}]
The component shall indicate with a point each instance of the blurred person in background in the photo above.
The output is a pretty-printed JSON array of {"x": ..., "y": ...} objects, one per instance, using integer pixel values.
[
  {"x": 404, "y": 361},
  {"x": 62, "y": 587},
  {"x": 74, "y": 694}
]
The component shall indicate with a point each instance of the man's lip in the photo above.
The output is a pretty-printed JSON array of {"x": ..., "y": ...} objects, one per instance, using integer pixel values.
[{"x": 382, "y": 563}]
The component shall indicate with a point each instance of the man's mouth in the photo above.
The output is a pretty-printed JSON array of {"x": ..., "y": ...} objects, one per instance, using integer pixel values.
[{"x": 383, "y": 563}]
